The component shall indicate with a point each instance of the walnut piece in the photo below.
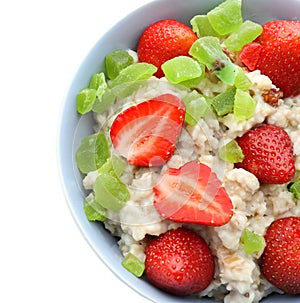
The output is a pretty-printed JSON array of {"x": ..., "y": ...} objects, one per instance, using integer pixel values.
[{"x": 272, "y": 96}]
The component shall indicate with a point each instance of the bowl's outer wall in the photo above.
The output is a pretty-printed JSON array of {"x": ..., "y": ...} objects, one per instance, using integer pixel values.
[{"x": 73, "y": 127}]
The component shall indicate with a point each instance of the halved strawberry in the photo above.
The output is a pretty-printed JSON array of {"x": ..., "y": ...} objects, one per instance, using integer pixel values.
[
  {"x": 193, "y": 194},
  {"x": 164, "y": 40},
  {"x": 146, "y": 134}
]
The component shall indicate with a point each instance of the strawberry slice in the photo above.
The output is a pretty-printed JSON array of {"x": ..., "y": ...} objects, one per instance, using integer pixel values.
[
  {"x": 249, "y": 54},
  {"x": 146, "y": 134},
  {"x": 193, "y": 194}
]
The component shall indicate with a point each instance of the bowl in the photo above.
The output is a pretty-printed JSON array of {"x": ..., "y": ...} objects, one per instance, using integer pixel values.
[{"x": 74, "y": 127}]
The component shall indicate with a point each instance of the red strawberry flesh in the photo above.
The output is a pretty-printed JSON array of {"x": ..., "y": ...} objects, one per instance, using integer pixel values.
[
  {"x": 280, "y": 262},
  {"x": 192, "y": 194},
  {"x": 146, "y": 133},
  {"x": 179, "y": 262},
  {"x": 249, "y": 54}
]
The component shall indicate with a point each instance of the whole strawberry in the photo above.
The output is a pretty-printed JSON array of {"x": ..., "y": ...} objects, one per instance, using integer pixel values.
[
  {"x": 164, "y": 40},
  {"x": 280, "y": 262},
  {"x": 268, "y": 154},
  {"x": 179, "y": 262},
  {"x": 278, "y": 57}
]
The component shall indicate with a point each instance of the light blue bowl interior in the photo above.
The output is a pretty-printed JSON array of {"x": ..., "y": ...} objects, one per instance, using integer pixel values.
[{"x": 73, "y": 127}]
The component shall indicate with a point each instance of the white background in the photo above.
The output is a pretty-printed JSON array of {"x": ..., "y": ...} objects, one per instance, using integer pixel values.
[{"x": 43, "y": 256}]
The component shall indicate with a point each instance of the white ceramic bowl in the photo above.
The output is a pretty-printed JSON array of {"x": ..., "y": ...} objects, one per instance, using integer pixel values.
[{"x": 73, "y": 127}]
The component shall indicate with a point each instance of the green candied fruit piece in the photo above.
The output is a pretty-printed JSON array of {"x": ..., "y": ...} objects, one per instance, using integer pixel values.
[
  {"x": 133, "y": 264},
  {"x": 202, "y": 27},
  {"x": 241, "y": 80},
  {"x": 110, "y": 192},
  {"x": 228, "y": 73},
  {"x": 126, "y": 89},
  {"x": 226, "y": 17},
  {"x": 247, "y": 33},
  {"x": 103, "y": 102},
  {"x": 134, "y": 72},
  {"x": 94, "y": 211},
  {"x": 113, "y": 164},
  {"x": 244, "y": 105},
  {"x": 231, "y": 152},
  {"x": 208, "y": 50},
  {"x": 92, "y": 153},
  {"x": 192, "y": 83},
  {"x": 182, "y": 68},
  {"x": 196, "y": 107},
  {"x": 97, "y": 80},
  {"x": 295, "y": 189},
  {"x": 252, "y": 242},
  {"x": 116, "y": 61},
  {"x": 224, "y": 102},
  {"x": 131, "y": 78},
  {"x": 85, "y": 100},
  {"x": 98, "y": 83}
]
